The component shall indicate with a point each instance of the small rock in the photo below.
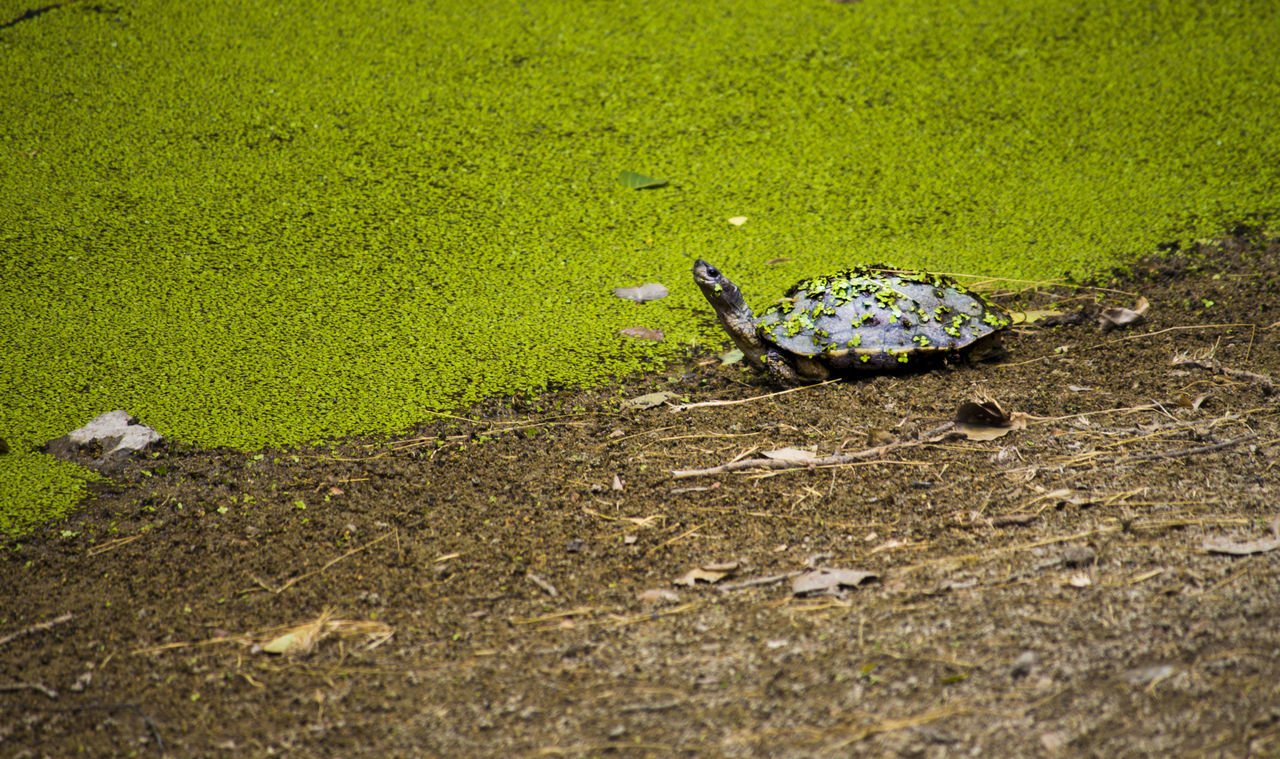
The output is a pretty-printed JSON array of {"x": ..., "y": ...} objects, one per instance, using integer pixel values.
[
  {"x": 115, "y": 434},
  {"x": 1024, "y": 663}
]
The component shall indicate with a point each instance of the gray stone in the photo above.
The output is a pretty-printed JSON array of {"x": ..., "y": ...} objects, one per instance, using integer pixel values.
[{"x": 112, "y": 436}]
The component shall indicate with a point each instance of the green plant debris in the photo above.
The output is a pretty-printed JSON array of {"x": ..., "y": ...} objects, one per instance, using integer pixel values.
[
  {"x": 634, "y": 181},
  {"x": 252, "y": 224}
]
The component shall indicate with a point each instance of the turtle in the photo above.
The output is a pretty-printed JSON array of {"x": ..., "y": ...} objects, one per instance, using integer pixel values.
[{"x": 864, "y": 318}]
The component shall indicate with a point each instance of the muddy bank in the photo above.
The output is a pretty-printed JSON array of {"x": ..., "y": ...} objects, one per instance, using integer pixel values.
[{"x": 1100, "y": 581}]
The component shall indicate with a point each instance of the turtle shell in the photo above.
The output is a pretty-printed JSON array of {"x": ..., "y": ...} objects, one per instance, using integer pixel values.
[{"x": 872, "y": 318}]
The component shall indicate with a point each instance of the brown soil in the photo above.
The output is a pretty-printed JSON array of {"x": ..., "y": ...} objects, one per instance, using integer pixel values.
[{"x": 1046, "y": 592}]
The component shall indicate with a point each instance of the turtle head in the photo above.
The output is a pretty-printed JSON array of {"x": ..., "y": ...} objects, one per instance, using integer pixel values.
[
  {"x": 722, "y": 294},
  {"x": 734, "y": 314}
]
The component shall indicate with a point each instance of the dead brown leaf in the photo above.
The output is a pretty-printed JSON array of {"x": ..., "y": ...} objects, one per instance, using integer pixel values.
[
  {"x": 984, "y": 419},
  {"x": 658, "y": 595},
  {"x": 643, "y": 293},
  {"x": 794, "y": 455},
  {"x": 708, "y": 573},
  {"x": 829, "y": 580},
  {"x": 649, "y": 400},
  {"x": 1240, "y": 547},
  {"x": 1118, "y": 318},
  {"x": 643, "y": 333}
]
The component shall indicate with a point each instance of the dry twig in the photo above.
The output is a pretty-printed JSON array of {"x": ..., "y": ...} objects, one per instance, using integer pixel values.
[
  {"x": 1191, "y": 451},
  {"x": 703, "y": 404},
  {"x": 38, "y": 627},
  {"x": 890, "y": 725},
  {"x": 932, "y": 436},
  {"x": 538, "y": 580},
  {"x": 41, "y": 687},
  {"x": 280, "y": 589},
  {"x": 757, "y": 581},
  {"x": 1215, "y": 366}
]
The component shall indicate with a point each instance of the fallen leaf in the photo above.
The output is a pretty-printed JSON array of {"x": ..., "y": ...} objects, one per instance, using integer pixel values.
[
  {"x": 1144, "y": 675},
  {"x": 658, "y": 595},
  {"x": 794, "y": 455},
  {"x": 985, "y": 420},
  {"x": 633, "y": 181},
  {"x": 829, "y": 580},
  {"x": 738, "y": 221},
  {"x": 649, "y": 400},
  {"x": 617, "y": 484},
  {"x": 1240, "y": 547},
  {"x": 1033, "y": 316},
  {"x": 984, "y": 411},
  {"x": 301, "y": 639},
  {"x": 1117, "y": 318},
  {"x": 642, "y": 333},
  {"x": 708, "y": 573},
  {"x": 731, "y": 357},
  {"x": 642, "y": 293}
]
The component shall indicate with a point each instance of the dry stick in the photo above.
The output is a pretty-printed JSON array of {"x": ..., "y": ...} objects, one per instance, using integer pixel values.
[
  {"x": 1213, "y": 365},
  {"x": 687, "y": 406},
  {"x": 891, "y": 725},
  {"x": 659, "y": 707},
  {"x": 1150, "y": 524},
  {"x": 330, "y": 563},
  {"x": 597, "y": 749},
  {"x": 654, "y": 615},
  {"x": 546, "y": 587},
  {"x": 1191, "y": 451},
  {"x": 50, "y": 692},
  {"x": 112, "y": 545},
  {"x": 679, "y": 537},
  {"x": 1123, "y": 339},
  {"x": 38, "y": 627},
  {"x": 931, "y": 436},
  {"x": 757, "y": 581}
]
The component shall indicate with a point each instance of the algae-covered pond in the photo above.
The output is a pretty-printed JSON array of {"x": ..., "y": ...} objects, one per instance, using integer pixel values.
[{"x": 253, "y": 224}]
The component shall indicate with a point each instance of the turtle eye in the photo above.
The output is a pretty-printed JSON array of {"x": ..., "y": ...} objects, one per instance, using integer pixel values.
[{"x": 713, "y": 271}]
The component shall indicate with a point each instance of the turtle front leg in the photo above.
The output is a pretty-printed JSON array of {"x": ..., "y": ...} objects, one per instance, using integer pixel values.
[
  {"x": 779, "y": 368},
  {"x": 797, "y": 370}
]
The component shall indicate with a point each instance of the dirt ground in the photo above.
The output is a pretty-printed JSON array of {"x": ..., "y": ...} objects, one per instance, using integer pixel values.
[{"x": 1102, "y": 582}]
